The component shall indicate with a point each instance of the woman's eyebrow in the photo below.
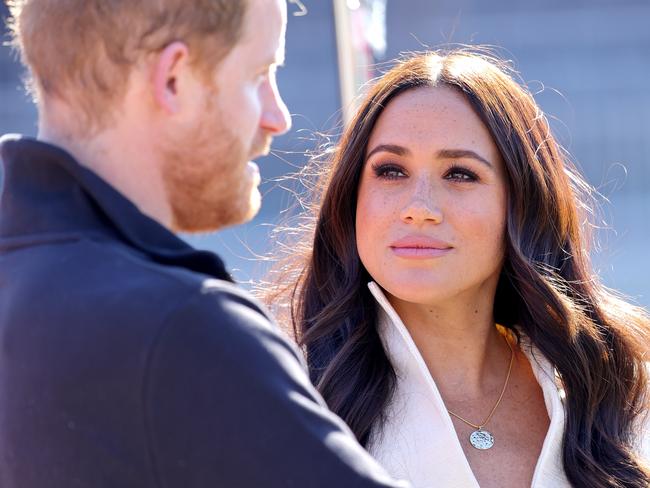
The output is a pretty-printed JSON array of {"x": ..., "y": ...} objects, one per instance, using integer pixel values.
[
  {"x": 391, "y": 148},
  {"x": 442, "y": 154},
  {"x": 461, "y": 153}
]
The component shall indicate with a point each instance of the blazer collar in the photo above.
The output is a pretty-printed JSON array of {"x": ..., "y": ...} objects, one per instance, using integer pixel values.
[
  {"x": 417, "y": 401},
  {"x": 407, "y": 360}
]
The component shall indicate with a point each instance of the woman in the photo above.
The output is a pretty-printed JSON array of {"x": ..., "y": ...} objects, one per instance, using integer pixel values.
[{"x": 449, "y": 208}]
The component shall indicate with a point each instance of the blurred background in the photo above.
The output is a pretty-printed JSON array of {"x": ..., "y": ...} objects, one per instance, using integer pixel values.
[{"x": 586, "y": 61}]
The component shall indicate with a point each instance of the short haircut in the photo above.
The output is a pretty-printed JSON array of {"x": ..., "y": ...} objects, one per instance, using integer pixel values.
[{"x": 82, "y": 51}]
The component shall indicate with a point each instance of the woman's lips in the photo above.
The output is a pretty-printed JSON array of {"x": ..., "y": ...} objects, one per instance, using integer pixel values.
[
  {"x": 420, "y": 247},
  {"x": 419, "y": 252}
]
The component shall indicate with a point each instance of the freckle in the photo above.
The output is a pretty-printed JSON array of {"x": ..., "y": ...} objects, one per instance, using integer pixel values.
[{"x": 476, "y": 311}]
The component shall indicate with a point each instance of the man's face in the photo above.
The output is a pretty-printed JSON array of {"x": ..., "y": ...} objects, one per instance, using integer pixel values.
[{"x": 209, "y": 178}]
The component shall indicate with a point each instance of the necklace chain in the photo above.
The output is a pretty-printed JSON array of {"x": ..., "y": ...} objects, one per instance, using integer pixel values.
[{"x": 496, "y": 405}]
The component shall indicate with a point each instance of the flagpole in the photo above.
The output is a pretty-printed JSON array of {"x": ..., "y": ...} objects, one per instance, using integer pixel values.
[{"x": 345, "y": 51}]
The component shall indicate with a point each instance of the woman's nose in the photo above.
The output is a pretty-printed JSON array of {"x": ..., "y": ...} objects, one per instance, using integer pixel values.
[
  {"x": 422, "y": 205},
  {"x": 418, "y": 211}
]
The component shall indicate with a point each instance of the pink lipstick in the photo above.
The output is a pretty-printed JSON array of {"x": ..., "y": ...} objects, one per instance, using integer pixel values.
[{"x": 420, "y": 247}]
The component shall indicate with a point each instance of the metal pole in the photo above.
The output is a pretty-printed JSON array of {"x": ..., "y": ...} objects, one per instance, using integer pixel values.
[{"x": 345, "y": 50}]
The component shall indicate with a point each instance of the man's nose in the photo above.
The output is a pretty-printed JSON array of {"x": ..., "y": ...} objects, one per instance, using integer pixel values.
[{"x": 276, "y": 119}]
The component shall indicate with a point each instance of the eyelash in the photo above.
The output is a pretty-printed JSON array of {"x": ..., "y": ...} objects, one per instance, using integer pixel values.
[
  {"x": 383, "y": 171},
  {"x": 468, "y": 174}
]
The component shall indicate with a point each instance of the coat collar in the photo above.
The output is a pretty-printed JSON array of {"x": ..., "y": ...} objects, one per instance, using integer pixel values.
[
  {"x": 407, "y": 360},
  {"x": 418, "y": 427},
  {"x": 47, "y": 194}
]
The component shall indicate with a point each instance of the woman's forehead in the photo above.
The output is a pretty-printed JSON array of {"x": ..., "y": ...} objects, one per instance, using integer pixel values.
[{"x": 430, "y": 116}]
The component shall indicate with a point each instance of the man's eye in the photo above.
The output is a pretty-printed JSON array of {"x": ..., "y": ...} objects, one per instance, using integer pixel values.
[{"x": 388, "y": 171}]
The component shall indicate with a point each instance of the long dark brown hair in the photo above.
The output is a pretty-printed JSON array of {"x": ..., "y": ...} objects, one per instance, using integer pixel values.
[{"x": 547, "y": 288}]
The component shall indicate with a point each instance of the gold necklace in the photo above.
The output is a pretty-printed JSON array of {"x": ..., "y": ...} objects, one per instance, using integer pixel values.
[{"x": 482, "y": 439}]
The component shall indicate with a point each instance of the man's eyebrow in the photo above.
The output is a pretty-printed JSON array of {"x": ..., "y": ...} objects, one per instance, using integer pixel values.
[
  {"x": 272, "y": 64},
  {"x": 275, "y": 59},
  {"x": 277, "y": 62},
  {"x": 391, "y": 148},
  {"x": 461, "y": 153}
]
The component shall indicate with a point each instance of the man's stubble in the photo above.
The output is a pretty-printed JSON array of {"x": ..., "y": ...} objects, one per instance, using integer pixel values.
[{"x": 209, "y": 185}]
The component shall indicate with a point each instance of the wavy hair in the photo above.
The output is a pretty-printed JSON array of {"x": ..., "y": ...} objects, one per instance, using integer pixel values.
[{"x": 595, "y": 340}]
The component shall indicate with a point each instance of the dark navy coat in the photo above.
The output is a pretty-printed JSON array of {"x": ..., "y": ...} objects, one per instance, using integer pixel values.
[{"x": 129, "y": 359}]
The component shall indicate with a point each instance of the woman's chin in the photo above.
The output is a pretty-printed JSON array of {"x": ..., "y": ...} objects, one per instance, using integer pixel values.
[{"x": 417, "y": 291}]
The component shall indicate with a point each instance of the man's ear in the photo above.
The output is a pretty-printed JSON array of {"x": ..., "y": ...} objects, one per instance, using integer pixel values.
[{"x": 171, "y": 66}]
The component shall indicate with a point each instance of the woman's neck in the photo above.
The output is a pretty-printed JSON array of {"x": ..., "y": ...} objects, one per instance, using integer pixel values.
[{"x": 465, "y": 353}]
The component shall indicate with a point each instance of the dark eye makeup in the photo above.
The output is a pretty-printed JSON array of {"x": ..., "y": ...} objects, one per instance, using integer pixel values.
[
  {"x": 388, "y": 171},
  {"x": 392, "y": 171},
  {"x": 460, "y": 174}
]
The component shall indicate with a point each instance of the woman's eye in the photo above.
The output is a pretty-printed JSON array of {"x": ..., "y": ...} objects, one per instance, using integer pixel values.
[
  {"x": 388, "y": 171},
  {"x": 460, "y": 174}
]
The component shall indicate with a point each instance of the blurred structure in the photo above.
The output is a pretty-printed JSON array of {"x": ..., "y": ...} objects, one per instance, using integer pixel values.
[
  {"x": 17, "y": 113},
  {"x": 587, "y": 61},
  {"x": 361, "y": 42}
]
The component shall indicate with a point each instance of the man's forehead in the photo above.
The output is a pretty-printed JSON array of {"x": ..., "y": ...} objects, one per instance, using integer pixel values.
[
  {"x": 260, "y": 12},
  {"x": 265, "y": 28}
]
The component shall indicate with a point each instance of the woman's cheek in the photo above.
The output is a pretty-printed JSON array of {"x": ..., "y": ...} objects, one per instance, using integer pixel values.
[
  {"x": 487, "y": 227},
  {"x": 371, "y": 225}
]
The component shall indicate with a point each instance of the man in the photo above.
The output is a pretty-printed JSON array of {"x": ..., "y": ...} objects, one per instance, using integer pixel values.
[{"x": 128, "y": 358}]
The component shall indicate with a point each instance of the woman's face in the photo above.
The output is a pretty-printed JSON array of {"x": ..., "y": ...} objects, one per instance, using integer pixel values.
[{"x": 431, "y": 207}]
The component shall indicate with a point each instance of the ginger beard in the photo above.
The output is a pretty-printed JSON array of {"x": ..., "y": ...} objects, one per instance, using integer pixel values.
[{"x": 209, "y": 181}]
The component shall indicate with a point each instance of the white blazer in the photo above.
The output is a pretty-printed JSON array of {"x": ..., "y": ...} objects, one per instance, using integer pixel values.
[{"x": 418, "y": 441}]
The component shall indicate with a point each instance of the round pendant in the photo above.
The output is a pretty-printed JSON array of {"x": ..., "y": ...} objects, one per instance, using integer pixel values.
[{"x": 481, "y": 439}]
